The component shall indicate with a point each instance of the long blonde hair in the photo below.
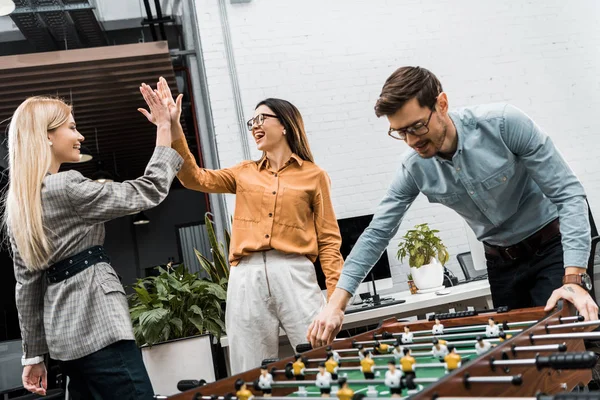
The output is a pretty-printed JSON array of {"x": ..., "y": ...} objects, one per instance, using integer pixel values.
[{"x": 29, "y": 159}]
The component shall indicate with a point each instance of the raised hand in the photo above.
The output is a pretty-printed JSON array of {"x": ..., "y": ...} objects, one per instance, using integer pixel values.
[
  {"x": 164, "y": 94},
  {"x": 159, "y": 112}
]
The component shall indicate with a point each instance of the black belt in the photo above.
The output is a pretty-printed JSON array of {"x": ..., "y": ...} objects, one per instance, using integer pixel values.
[
  {"x": 75, "y": 264},
  {"x": 527, "y": 246}
]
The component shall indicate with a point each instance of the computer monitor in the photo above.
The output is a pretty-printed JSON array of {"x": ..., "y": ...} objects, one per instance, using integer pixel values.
[
  {"x": 10, "y": 365},
  {"x": 351, "y": 229}
]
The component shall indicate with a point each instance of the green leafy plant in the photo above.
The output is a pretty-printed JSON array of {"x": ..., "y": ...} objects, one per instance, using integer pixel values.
[
  {"x": 409, "y": 277},
  {"x": 218, "y": 269},
  {"x": 420, "y": 245},
  {"x": 176, "y": 304}
]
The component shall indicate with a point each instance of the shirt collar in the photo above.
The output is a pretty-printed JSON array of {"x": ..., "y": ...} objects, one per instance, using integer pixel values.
[
  {"x": 262, "y": 163},
  {"x": 459, "y": 133}
]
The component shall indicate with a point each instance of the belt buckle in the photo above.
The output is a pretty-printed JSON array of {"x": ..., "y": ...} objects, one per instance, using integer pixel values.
[{"x": 508, "y": 252}]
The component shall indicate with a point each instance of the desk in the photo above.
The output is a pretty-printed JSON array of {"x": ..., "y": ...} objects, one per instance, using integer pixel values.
[{"x": 475, "y": 294}]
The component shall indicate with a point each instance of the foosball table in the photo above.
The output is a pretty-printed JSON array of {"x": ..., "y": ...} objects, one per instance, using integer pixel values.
[{"x": 514, "y": 354}]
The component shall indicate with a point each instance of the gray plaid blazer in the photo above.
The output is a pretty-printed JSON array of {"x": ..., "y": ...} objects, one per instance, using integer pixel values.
[{"x": 87, "y": 312}]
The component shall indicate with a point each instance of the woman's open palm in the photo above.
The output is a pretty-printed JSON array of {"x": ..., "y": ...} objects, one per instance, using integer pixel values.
[{"x": 164, "y": 93}]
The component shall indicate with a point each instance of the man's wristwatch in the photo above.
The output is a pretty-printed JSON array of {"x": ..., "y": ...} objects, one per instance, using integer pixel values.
[{"x": 582, "y": 280}]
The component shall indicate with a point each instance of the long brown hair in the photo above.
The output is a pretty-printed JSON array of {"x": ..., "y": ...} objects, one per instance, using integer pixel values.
[
  {"x": 292, "y": 121},
  {"x": 404, "y": 84}
]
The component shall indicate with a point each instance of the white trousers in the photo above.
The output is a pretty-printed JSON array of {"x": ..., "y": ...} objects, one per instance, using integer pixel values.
[{"x": 268, "y": 290}]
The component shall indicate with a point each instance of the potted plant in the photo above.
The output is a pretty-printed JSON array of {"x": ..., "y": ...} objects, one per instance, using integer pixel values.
[
  {"x": 411, "y": 284},
  {"x": 178, "y": 318},
  {"x": 426, "y": 256}
]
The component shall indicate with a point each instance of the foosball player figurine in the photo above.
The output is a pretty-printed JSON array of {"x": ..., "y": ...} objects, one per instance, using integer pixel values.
[
  {"x": 332, "y": 366},
  {"x": 408, "y": 363},
  {"x": 439, "y": 349},
  {"x": 407, "y": 336},
  {"x": 336, "y": 355},
  {"x": 393, "y": 379},
  {"x": 323, "y": 380},
  {"x": 265, "y": 381},
  {"x": 398, "y": 351},
  {"x": 438, "y": 328},
  {"x": 242, "y": 392},
  {"x": 381, "y": 348},
  {"x": 482, "y": 345},
  {"x": 361, "y": 352},
  {"x": 344, "y": 393},
  {"x": 492, "y": 330},
  {"x": 367, "y": 365},
  {"x": 452, "y": 359},
  {"x": 298, "y": 367},
  {"x": 503, "y": 336}
]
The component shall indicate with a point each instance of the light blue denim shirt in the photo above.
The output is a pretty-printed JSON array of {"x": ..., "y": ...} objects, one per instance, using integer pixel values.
[{"x": 506, "y": 179}]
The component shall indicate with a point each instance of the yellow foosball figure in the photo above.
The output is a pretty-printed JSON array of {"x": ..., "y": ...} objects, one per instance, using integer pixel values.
[
  {"x": 453, "y": 360},
  {"x": 242, "y": 392},
  {"x": 503, "y": 336},
  {"x": 367, "y": 365},
  {"x": 298, "y": 367},
  {"x": 344, "y": 393},
  {"x": 331, "y": 365},
  {"x": 407, "y": 363},
  {"x": 381, "y": 348}
]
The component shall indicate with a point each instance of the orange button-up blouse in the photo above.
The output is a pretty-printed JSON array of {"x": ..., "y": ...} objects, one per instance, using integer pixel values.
[{"x": 289, "y": 210}]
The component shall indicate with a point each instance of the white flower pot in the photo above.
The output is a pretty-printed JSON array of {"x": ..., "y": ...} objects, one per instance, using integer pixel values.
[
  {"x": 169, "y": 362},
  {"x": 428, "y": 276}
]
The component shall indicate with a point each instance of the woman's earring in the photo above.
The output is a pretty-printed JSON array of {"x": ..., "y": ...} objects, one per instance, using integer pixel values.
[
  {"x": 50, "y": 143},
  {"x": 284, "y": 131}
]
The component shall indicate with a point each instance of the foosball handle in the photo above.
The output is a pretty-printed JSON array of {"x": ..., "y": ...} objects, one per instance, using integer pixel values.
[
  {"x": 581, "y": 360},
  {"x": 302, "y": 347},
  {"x": 187, "y": 384}
]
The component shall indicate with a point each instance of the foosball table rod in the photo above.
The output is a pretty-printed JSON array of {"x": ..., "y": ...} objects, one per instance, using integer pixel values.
[
  {"x": 559, "y": 396},
  {"x": 439, "y": 337}
]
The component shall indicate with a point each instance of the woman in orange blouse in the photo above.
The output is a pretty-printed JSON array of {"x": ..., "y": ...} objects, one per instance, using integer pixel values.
[{"x": 283, "y": 221}]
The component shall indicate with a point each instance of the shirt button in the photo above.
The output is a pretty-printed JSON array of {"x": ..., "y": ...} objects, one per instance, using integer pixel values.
[
  {"x": 267, "y": 236},
  {"x": 503, "y": 179},
  {"x": 270, "y": 214},
  {"x": 472, "y": 192},
  {"x": 458, "y": 168},
  {"x": 275, "y": 175},
  {"x": 274, "y": 192}
]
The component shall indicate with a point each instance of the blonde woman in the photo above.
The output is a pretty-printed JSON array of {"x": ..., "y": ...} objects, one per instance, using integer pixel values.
[
  {"x": 71, "y": 304},
  {"x": 283, "y": 220}
]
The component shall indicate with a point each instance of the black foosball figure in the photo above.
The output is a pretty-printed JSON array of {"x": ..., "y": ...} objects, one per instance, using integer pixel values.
[
  {"x": 492, "y": 330},
  {"x": 398, "y": 351},
  {"x": 323, "y": 380},
  {"x": 264, "y": 382},
  {"x": 482, "y": 345},
  {"x": 393, "y": 379},
  {"x": 438, "y": 328},
  {"x": 439, "y": 349}
]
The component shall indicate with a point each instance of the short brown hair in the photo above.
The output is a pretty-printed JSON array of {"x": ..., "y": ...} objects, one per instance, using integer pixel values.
[{"x": 404, "y": 84}]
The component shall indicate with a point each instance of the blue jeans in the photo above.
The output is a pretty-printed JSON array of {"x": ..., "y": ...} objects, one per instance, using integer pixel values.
[
  {"x": 115, "y": 372},
  {"x": 529, "y": 281}
]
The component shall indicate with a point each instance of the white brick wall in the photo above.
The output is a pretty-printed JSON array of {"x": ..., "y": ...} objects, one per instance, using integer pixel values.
[{"x": 330, "y": 58}]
